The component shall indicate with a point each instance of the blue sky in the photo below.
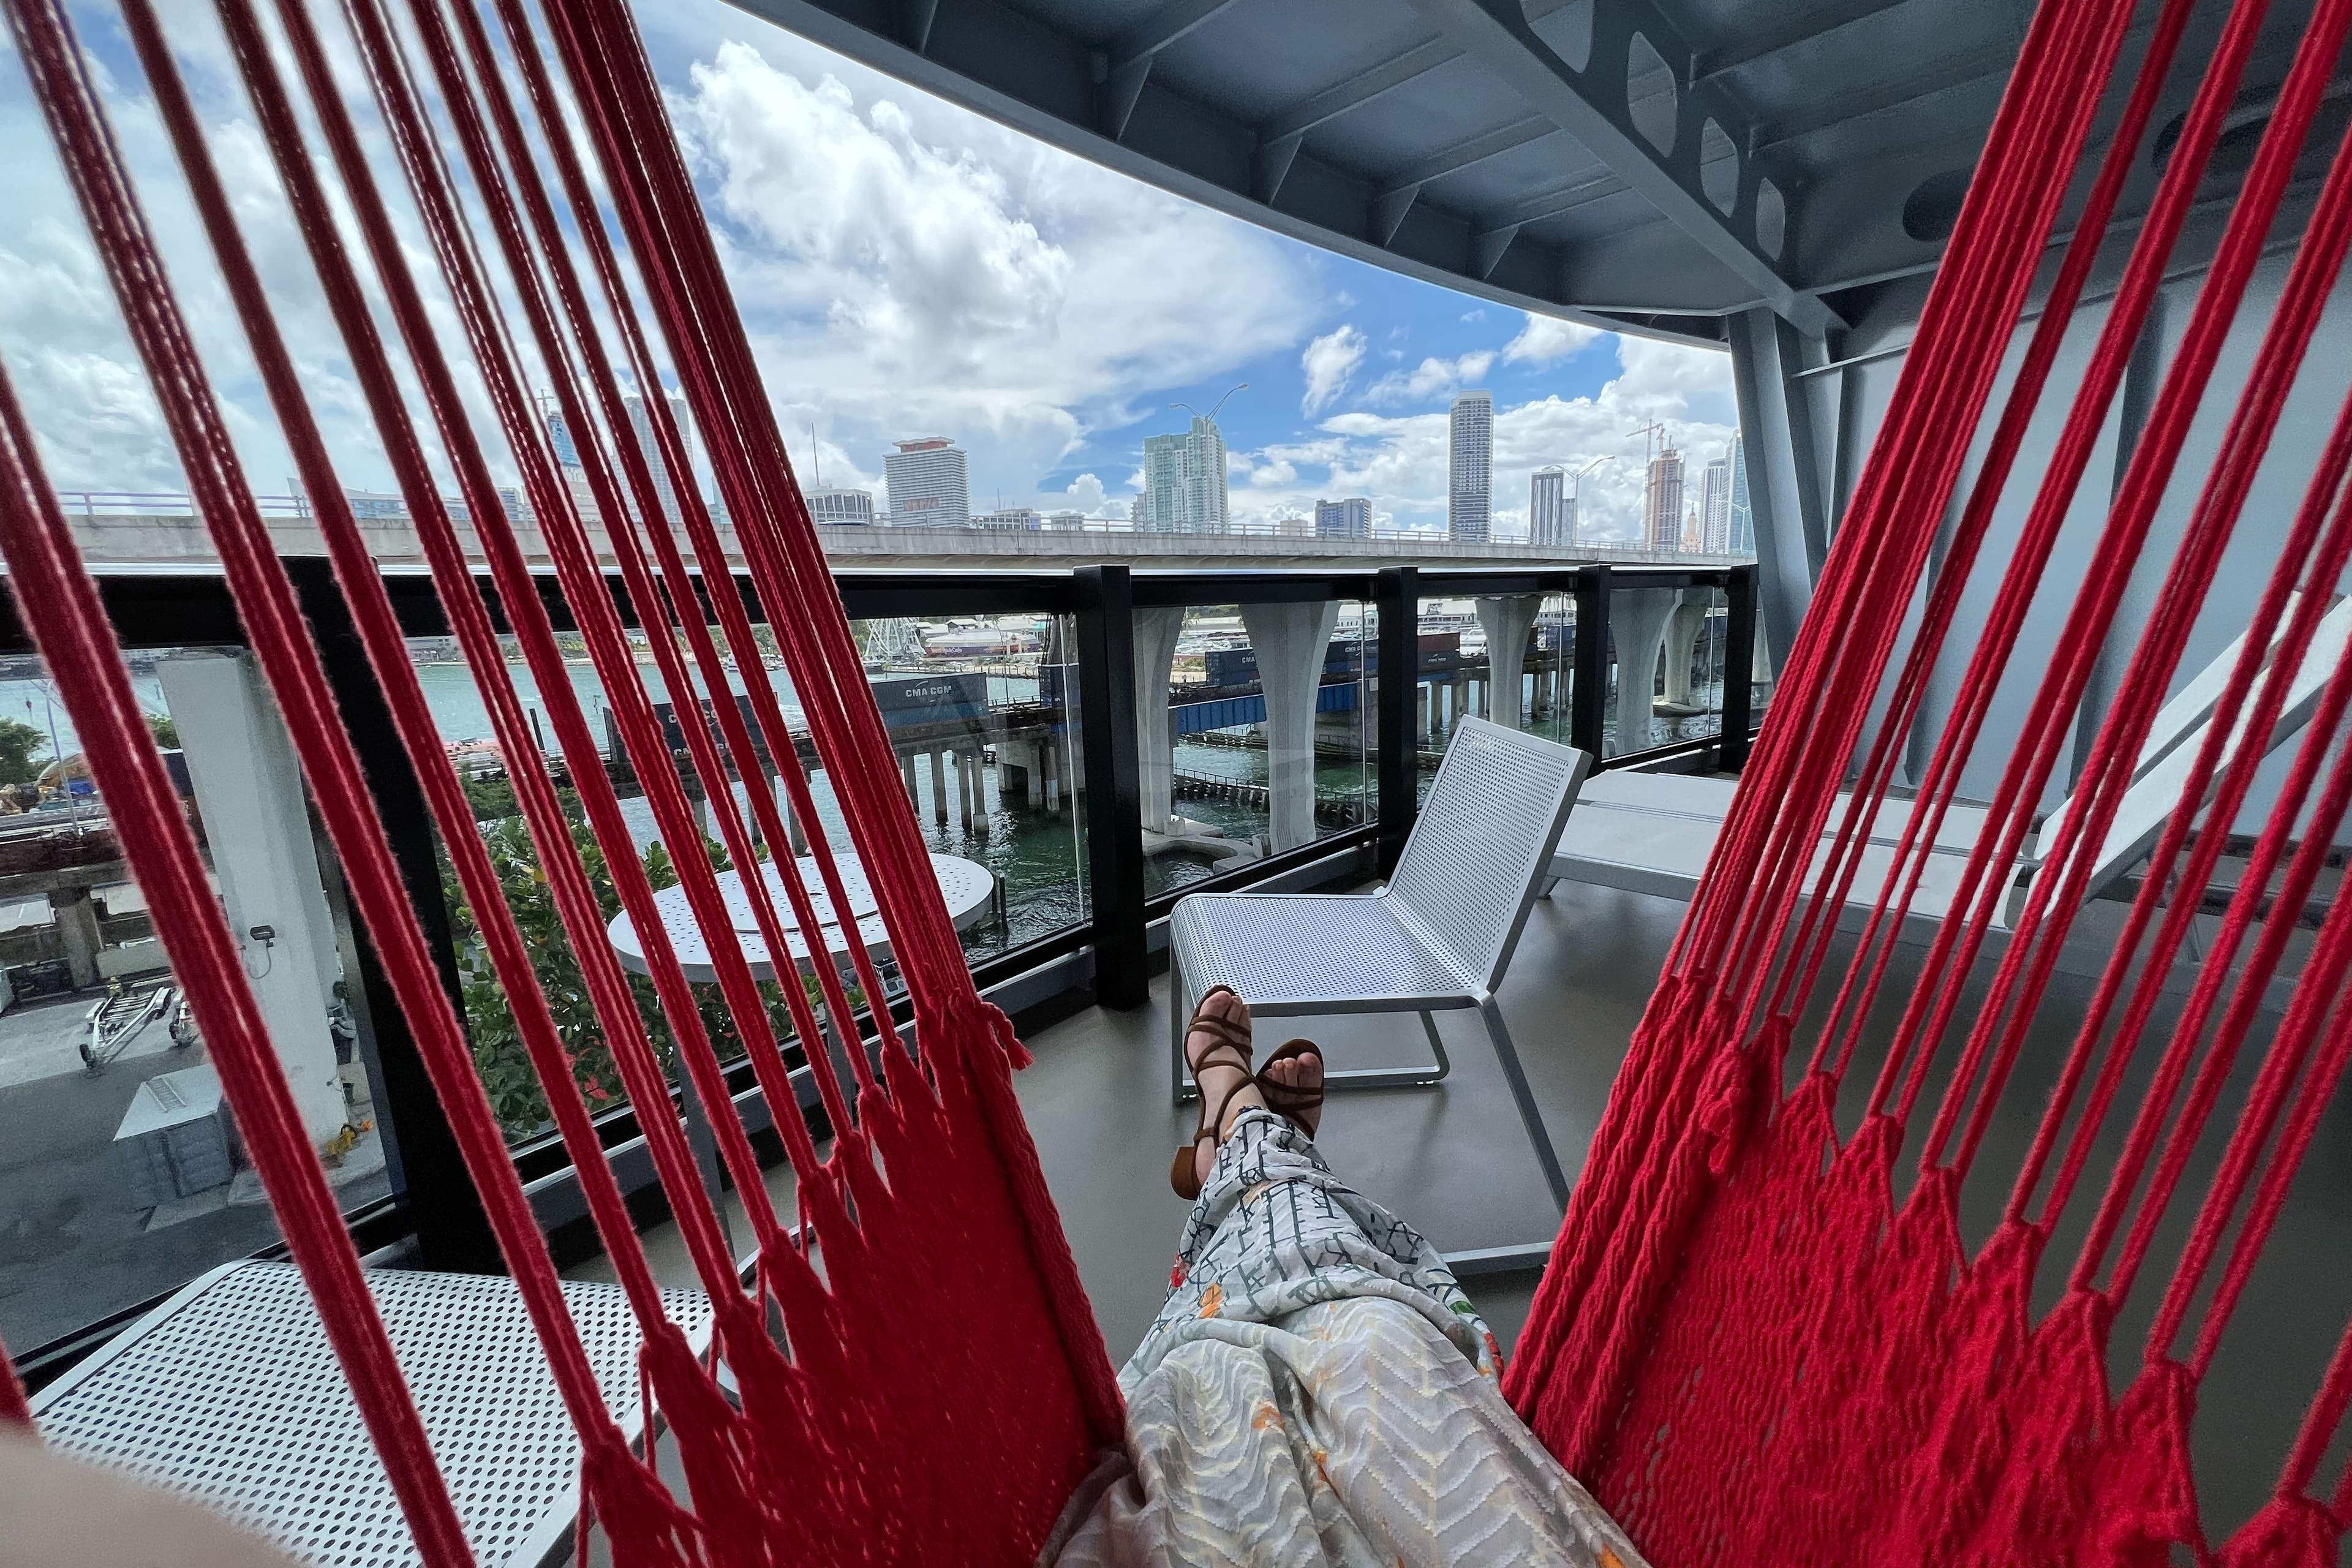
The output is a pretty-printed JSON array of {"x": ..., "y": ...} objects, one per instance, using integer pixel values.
[{"x": 909, "y": 267}]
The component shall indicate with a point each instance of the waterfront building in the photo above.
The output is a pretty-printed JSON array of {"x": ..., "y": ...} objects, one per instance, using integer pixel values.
[
  {"x": 834, "y": 506},
  {"x": 1470, "y": 471},
  {"x": 1011, "y": 519},
  {"x": 929, "y": 484},
  {"x": 1547, "y": 507},
  {"x": 1349, "y": 519},
  {"x": 1662, "y": 501},
  {"x": 1184, "y": 487}
]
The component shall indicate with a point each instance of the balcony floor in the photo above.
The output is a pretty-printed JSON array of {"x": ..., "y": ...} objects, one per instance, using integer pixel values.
[{"x": 1451, "y": 1159}]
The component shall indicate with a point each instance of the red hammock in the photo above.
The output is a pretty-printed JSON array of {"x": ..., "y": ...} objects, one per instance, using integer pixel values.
[{"x": 1745, "y": 1343}]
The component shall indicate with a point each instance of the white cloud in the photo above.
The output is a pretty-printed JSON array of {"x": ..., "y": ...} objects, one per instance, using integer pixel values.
[
  {"x": 1329, "y": 362},
  {"x": 1085, "y": 494},
  {"x": 1547, "y": 338},
  {"x": 907, "y": 268},
  {"x": 1432, "y": 378}
]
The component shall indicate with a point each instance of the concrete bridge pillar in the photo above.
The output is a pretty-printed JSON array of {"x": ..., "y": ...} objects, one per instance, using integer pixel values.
[
  {"x": 258, "y": 821},
  {"x": 1507, "y": 620},
  {"x": 914, "y": 795},
  {"x": 1290, "y": 641},
  {"x": 1683, "y": 632},
  {"x": 77, "y": 919},
  {"x": 1637, "y": 620},
  {"x": 1155, "y": 727},
  {"x": 939, "y": 787}
]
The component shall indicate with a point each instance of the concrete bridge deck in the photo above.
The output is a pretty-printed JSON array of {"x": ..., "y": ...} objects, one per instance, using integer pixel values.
[{"x": 126, "y": 538}]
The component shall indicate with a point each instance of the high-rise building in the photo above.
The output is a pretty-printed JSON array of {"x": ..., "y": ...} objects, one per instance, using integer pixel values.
[
  {"x": 566, "y": 443},
  {"x": 929, "y": 484},
  {"x": 559, "y": 434},
  {"x": 1470, "y": 470},
  {"x": 1184, "y": 484},
  {"x": 1694, "y": 531},
  {"x": 1740, "y": 535},
  {"x": 641, "y": 425},
  {"x": 834, "y": 507},
  {"x": 1715, "y": 506},
  {"x": 1548, "y": 508},
  {"x": 1349, "y": 519},
  {"x": 1662, "y": 502}
]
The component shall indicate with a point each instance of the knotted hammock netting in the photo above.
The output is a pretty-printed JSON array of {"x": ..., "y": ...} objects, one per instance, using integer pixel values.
[{"x": 1762, "y": 1336}]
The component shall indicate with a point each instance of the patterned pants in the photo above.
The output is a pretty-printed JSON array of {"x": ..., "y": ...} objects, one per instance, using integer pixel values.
[{"x": 1275, "y": 1230}]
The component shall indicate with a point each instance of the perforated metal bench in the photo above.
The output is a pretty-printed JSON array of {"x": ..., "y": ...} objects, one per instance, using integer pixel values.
[
  {"x": 229, "y": 1394},
  {"x": 1438, "y": 937}
]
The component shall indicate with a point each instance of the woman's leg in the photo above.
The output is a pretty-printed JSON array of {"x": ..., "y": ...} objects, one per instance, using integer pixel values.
[{"x": 1223, "y": 1081}]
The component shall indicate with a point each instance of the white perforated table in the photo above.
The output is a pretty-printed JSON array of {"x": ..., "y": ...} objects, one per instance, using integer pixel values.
[
  {"x": 965, "y": 886},
  {"x": 229, "y": 1394}
]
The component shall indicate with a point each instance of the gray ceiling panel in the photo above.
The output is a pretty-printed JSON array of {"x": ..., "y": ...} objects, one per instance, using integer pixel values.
[{"x": 1607, "y": 159}]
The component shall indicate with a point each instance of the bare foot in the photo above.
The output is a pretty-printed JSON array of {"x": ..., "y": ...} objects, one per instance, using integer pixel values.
[
  {"x": 1221, "y": 1074},
  {"x": 1303, "y": 1074}
]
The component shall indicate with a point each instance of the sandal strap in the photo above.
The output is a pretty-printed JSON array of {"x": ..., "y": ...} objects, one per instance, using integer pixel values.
[
  {"x": 1215, "y": 1126},
  {"x": 1221, "y": 1028}
]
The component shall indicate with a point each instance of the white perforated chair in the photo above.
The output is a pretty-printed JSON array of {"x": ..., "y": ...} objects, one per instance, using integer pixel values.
[
  {"x": 1438, "y": 936},
  {"x": 229, "y": 1394}
]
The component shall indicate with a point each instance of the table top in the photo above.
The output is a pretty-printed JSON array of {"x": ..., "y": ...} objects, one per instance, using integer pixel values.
[{"x": 965, "y": 886}]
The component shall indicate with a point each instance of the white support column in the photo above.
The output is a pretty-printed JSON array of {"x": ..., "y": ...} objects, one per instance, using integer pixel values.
[
  {"x": 1683, "y": 631},
  {"x": 1155, "y": 726},
  {"x": 256, "y": 821},
  {"x": 940, "y": 785},
  {"x": 1290, "y": 641},
  {"x": 1507, "y": 622},
  {"x": 1637, "y": 620}
]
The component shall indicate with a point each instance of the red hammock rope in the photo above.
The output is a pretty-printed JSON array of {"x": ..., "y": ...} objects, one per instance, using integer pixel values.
[{"x": 1759, "y": 1339}]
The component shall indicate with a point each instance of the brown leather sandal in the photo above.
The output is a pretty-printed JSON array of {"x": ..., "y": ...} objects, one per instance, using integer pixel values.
[
  {"x": 1184, "y": 1171},
  {"x": 1293, "y": 1102}
]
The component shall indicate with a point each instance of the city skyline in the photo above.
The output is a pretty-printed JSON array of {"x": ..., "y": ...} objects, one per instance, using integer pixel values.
[{"x": 906, "y": 265}]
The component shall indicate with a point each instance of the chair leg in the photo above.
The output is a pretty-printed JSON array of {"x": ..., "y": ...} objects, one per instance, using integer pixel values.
[
  {"x": 1180, "y": 1088},
  {"x": 1508, "y": 1056},
  {"x": 1396, "y": 1077},
  {"x": 1436, "y": 1045}
]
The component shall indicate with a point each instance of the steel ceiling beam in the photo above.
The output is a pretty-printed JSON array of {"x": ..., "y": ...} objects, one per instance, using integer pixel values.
[
  {"x": 1161, "y": 28},
  {"x": 1801, "y": 29},
  {"x": 1591, "y": 105},
  {"x": 1992, "y": 61},
  {"x": 1360, "y": 89},
  {"x": 1124, "y": 63}
]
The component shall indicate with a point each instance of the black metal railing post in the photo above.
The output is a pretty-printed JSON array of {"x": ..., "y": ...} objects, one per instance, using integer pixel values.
[
  {"x": 1114, "y": 785},
  {"x": 428, "y": 1175},
  {"x": 1589, "y": 699},
  {"x": 1397, "y": 599},
  {"x": 1740, "y": 588}
]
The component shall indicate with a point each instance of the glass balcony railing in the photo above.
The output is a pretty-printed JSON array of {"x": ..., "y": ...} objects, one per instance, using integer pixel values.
[{"x": 1083, "y": 746}]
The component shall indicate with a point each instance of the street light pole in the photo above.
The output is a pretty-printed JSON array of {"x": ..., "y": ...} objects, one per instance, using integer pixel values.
[{"x": 1576, "y": 499}]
